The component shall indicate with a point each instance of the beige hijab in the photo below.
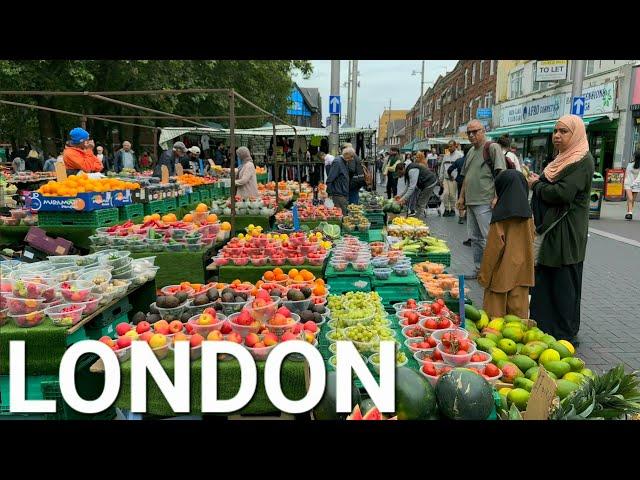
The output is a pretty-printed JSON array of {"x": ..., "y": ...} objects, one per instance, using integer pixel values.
[{"x": 576, "y": 150}]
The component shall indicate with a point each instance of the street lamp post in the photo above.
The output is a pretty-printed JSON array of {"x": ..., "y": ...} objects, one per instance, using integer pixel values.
[{"x": 415, "y": 72}]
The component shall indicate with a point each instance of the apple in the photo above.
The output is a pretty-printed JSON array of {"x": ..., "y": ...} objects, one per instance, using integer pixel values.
[
  {"x": 289, "y": 336},
  {"x": 263, "y": 295},
  {"x": 122, "y": 328},
  {"x": 175, "y": 326},
  {"x": 270, "y": 339},
  {"x": 259, "y": 345},
  {"x": 297, "y": 328},
  {"x": 205, "y": 319},
  {"x": 124, "y": 342},
  {"x": 196, "y": 340},
  {"x": 210, "y": 311},
  {"x": 143, "y": 326},
  {"x": 107, "y": 341},
  {"x": 244, "y": 318},
  {"x": 251, "y": 340},
  {"x": 157, "y": 340},
  {"x": 226, "y": 328},
  {"x": 234, "y": 337},
  {"x": 189, "y": 328},
  {"x": 215, "y": 335},
  {"x": 180, "y": 337},
  {"x": 311, "y": 326},
  {"x": 144, "y": 337},
  {"x": 162, "y": 327},
  {"x": 284, "y": 311},
  {"x": 132, "y": 334}
]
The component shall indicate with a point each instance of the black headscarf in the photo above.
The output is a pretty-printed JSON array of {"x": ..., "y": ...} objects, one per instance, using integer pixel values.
[{"x": 513, "y": 196}]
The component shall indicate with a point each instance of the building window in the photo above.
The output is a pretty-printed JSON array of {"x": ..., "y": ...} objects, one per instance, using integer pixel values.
[
  {"x": 455, "y": 120},
  {"x": 466, "y": 78},
  {"x": 481, "y": 68},
  {"x": 489, "y": 99},
  {"x": 590, "y": 66},
  {"x": 438, "y": 104},
  {"x": 470, "y": 110},
  {"x": 473, "y": 74},
  {"x": 492, "y": 68},
  {"x": 515, "y": 84}
]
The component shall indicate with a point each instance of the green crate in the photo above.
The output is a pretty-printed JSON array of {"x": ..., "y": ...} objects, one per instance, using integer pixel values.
[
  {"x": 182, "y": 200},
  {"x": 133, "y": 212},
  {"x": 219, "y": 191},
  {"x": 262, "y": 177},
  {"x": 170, "y": 205},
  {"x": 397, "y": 293},
  {"x": 33, "y": 387},
  {"x": 375, "y": 235},
  {"x": 106, "y": 217},
  {"x": 155, "y": 206},
  {"x": 77, "y": 336},
  {"x": 340, "y": 285},
  {"x": 443, "y": 258},
  {"x": 108, "y": 329},
  {"x": 205, "y": 194},
  {"x": 376, "y": 219},
  {"x": 194, "y": 197},
  {"x": 107, "y": 316}
]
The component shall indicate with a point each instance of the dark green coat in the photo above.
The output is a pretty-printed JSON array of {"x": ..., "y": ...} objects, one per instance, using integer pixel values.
[{"x": 565, "y": 243}]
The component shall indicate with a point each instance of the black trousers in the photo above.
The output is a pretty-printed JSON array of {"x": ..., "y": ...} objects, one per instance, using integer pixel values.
[
  {"x": 392, "y": 186},
  {"x": 555, "y": 300}
]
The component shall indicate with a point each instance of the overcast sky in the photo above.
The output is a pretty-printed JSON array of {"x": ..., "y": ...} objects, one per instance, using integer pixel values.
[{"x": 380, "y": 80}]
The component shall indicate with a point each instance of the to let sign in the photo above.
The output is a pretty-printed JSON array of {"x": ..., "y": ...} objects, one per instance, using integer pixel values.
[{"x": 551, "y": 70}]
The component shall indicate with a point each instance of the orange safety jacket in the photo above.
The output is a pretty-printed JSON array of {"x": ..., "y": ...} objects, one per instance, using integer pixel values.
[{"x": 80, "y": 159}]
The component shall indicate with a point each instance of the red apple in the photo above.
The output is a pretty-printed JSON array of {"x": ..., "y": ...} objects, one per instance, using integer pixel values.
[
  {"x": 146, "y": 336},
  {"x": 226, "y": 328},
  {"x": 311, "y": 326},
  {"x": 234, "y": 337},
  {"x": 189, "y": 328},
  {"x": 289, "y": 336},
  {"x": 107, "y": 341},
  {"x": 210, "y": 311},
  {"x": 251, "y": 340},
  {"x": 175, "y": 326},
  {"x": 284, "y": 311},
  {"x": 122, "y": 328},
  {"x": 124, "y": 342},
  {"x": 297, "y": 328},
  {"x": 143, "y": 327},
  {"x": 196, "y": 340}
]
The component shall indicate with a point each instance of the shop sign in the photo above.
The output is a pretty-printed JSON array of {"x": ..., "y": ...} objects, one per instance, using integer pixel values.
[
  {"x": 551, "y": 70},
  {"x": 598, "y": 99},
  {"x": 511, "y": 115},
  {"x": 547, "y": 108},
  {"x": 614, "y": 184}
]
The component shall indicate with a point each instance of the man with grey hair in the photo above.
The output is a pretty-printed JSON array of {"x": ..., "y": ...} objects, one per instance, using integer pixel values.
[
  {"x": 478, "y": 193},
  {"x": 125, "y": 158},
  {"x": 356, "y": 175},
  {"x": 169, "y": 158},
  {"x": 246, "y": 180},
  {"x": 338, "y": 179}
]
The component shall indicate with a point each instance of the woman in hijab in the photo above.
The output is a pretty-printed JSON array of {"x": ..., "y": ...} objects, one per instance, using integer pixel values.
[
  {"x": 246, "y": 182},
  {"x": 507, "y": 268},
  {"x": 560, "y": 205}
]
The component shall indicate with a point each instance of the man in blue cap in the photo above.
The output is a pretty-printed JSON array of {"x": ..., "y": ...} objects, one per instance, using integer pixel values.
[{"x": 78, "y": 154}]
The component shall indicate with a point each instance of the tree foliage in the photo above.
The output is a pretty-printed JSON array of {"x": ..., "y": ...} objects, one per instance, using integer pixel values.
[{"x": 265, "y": 83}]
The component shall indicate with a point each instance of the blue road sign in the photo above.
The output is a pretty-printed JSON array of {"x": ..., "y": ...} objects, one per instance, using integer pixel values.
[
  {"x": 483, "y": 113},
  {"x": 577, "y": 106},
  {"x": 334, "y": 104}
]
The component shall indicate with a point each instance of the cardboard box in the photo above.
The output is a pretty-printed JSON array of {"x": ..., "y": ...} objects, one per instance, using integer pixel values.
[
  {"x": 38, "y": 239},
  {"x": 30, "y": 255}
]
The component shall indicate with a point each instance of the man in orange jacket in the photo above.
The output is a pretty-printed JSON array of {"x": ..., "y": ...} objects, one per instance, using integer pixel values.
[{"x": 78, "y": 154}]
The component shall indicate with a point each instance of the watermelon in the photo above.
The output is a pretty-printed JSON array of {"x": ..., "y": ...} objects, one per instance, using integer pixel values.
[
  {"x": 356, "y": 414},
  {"x": 415, "y": 397},
  {"x": 366, "y": 404},
  {"x": 326, "y": 408},
  {"x": 373, "y": 414},
  {"x": 464, "y": 395}
]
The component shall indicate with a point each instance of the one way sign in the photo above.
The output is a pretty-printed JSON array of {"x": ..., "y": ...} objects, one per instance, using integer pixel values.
[
  {"x": 577, "y": 106},
  {"x": 334, "y": 104}
]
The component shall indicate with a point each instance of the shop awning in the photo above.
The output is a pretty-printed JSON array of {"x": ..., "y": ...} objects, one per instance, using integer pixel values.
[
  {"x": 537, "y": 127},
  {"x": 408, "y": 147},
  {"x": 421, "y": 145}
]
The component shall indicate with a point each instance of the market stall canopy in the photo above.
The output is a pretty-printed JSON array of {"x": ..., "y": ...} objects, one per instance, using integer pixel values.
[
  {"x": 243, "y": 136},
  {"x": 537, "y": 127},
  {"x": 408, "y": 147}
]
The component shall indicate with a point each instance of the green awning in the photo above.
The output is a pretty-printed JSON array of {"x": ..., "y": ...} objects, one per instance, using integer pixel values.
[
  {"x": 408, "y": 147},
  {"x": 421, "y": 145},
  {"x": 536, "y": 127}
]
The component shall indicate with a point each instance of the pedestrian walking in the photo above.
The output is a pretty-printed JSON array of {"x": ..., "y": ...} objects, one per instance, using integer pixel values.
[
  {"x": 432, "y": 160},
  {"x": 560, "y": 204},
  {"x": 455, "y": 170},
  {"x": 338, "y": 180},
  {"x": 507, "y": 268},
  {"x": 450, "y": 193},
  {"x": 419, "y": 181},
  {"x": 478, "y": 189},
  {"x": 389, "y": 171},
  {"x": 632, "y": 184}
]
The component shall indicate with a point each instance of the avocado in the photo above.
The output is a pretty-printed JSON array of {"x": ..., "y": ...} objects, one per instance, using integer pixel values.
[
  {"x": 318, "y": 309},
  {"x": 242, "y": 295},
  {"x": 161, "y": 301},
  {"x": 138, "y": 317},
  {"x": 228, "y": 297},
  {"x": 306, "y": 316},
  {"x": 153, "y": 318},
  {"x": 228, "y": 290},
  {"x": 201, "y": 300},
  {"x": 153, "y": 309},
  {"x": 276, "y": 292},
  {"x": 182, "y": 297},
  {"x": 295, "y": 295},
  {"x": 317, "y": 317},
  {"x": 212, "y": 294},
  {"x": 171, "y": 302},
  {"x": 186, "y": 316},
  {"x": 217, "y": 306},
  {"x": 306, "y": 291},
  {"x": 239, "y": 299}
]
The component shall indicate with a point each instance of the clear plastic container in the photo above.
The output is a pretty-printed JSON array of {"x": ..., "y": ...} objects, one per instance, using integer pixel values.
[
  {"x": 65, "y": 314},
  {"x": 195, "y": 247},
  {"x": 296, "y": 306},
  {"x": 265, "y": 313},
  {"x": 380, "y": 262},
  {"x": 205, "y": 330},
  {"x": 66, "y": 273},
  {"x": 123, "y": 354},
  {"x": 243, "y": 330},
  {"x": 441, "y": 369},
  {"x": 55, "y": 259},
  {"x": 374, "y": 360},
  {"x": 99, "y": 279},
  {"x": 117, "y": 259},
  {"x": 296, "y": 261},
  {"x": 414, "y": 328},
  {"x": 91, "y": 304},
  {"x": 4, "y": 316},
  {"x": 382, "y": 273},
  {"x": 220, "y": 261},
  {"x": 170, "y": 314},
  {"x": 280, "y": 330},
  {"x": 194, "y": 352},
  {"x": 229, "y": 308},
  {"x": 29, "y": 320},
  {"x": 21, "y": 306},
  {"x": 401, "y": 270},
  {"x": 175, "y": 247},
  {"x": 240, "y": 261},
  {"x": 32, "y": 289},
  {"x": 75, "y": 290},
  {"x": 423, "y": 356},
  {"x": 260, "y": 353},
  {"x": 459, "y": 333},
  {"x": 259, "y": 262},
  {"x": 362, "y": 347},
  {"x": 161, "y": 352},
  {"x": 173, "y": 289},
  {"x": 457, "y": 360}
]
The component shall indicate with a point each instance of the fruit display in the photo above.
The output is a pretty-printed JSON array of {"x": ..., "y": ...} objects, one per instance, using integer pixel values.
[
  {"x": 391, "y": 206},
  {"x": 264, "y": 206},
  {"x": 410, "y": 227},
  {"x": 275, "y": 249},
  {"x": 308, "y": 211},
  {"x": 425, "y": 244},
  {"x": 355, "y": 220},
  {"x": 81, "y": 183},
  {"x": 371, "y": 201},
  {"x": 353, "y": 251},
  {"x": 435, "y": 281},
  {"x": 464, "y": 395},
  {"x": 65, "y": 315}
]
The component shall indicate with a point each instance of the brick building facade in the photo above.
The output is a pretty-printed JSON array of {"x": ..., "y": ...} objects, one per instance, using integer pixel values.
[{"x": 455, "y": 98}]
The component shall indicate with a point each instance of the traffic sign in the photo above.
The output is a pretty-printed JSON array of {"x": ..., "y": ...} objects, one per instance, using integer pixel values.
[
  {"x": 577, "y": 106},
  {"x": 483, "y": 113},
  {"x": 334, "y": 104}
]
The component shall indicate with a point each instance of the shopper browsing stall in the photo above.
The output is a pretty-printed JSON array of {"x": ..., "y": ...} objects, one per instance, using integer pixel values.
[
  {"x": 246, "y": 182},
  {"x": 78, "y": 154},
  {"x": 420, "y": 179}
]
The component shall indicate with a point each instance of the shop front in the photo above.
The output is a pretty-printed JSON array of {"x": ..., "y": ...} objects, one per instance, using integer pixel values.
[{"x": 635, "y": 108}]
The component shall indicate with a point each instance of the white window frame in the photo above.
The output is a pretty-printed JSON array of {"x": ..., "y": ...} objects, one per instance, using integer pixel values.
[
  {"x": 514, "y": 76},
  {"x": 473, "y": 73},
  {"x": 481, "y": 69},
  {"x": 590, "y": 67},
  {"x": 492, "y": 67},
  {"x": 466, "y": 78}
]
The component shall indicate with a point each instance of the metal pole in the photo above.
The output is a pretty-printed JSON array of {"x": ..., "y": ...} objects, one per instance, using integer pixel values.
[
  {"x": 232, "y": 151},
  {"x": 354, "y": 95},
  {"x": 421, "y": 100},
  {"x": 155, "y": 146},
  {"x": 349, "y": 93},
  {"x": 389, "y": 124},
  {"x": 335, "y": 119},
  {"x": 83, "y": 121},
  {"x": 275, "y": 160},
  {"x": 578, "y": 77}
]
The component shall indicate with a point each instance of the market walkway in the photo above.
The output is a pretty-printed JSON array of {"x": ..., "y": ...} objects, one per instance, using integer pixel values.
[{"x": 610, "y": 330}]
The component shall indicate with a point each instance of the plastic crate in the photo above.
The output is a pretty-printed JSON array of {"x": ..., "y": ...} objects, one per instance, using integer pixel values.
[
  {"x": 194, "y": 197},
  {"x": 375, "y": 235},
  {"x": 108, "y": 330},
  {"x": 443, "y": 258},
  {"x": 262, "y": 177},
  {"x": 205, "y": 194},
  {"x": 133, "y": 212},
  {"x": 108, "y": 315},
  {"x": 397, "y": 293},
  {"x": 376, "y": 219},
  {"x": 106, "y": 217},
  {"x": 77, "y": 336},
  {"x": 170, "y": 204},
  {"x": 156, "y": 206},
  {"x": 182, "y": 200},
  {"x": 340, "y": 285}
]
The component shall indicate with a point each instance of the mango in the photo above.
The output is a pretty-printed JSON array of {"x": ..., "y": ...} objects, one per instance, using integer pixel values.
[
  {"x": 575, "y": 363},
  {"x": 522, "y": 382},
  {"x": 512, "y": 318},
  {"x": 519, "y": 397},
  {"x": 549, "y": 355},
  {"x": 557, "y": 367},
  {"x": 485, "y": 344},
  {"x": 513, "y": 333},
  {"x": 497, "y": 354},
  {"x": 574, "y": 377},
  {"x": 534, "y": 349},
  {"x": 561, "y": 349},
  {"x": 497, "y": 323},
  {"x": 565, "y": 387},
  {"x": 507, "y": 346},
  {"x": 510, "y": 372},
  {"x": 523, "y": 362}
]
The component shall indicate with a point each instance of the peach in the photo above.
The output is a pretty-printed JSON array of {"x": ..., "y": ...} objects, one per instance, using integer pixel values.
[
  {"x": 107, "y": 341},
  {"x": 131, "y": 334},
  {"x": 175, "y": 326},
  {"x": 189, "y": 328},
  {"x": 311, "y": 326},
  {"x": 251, "y": 340},
  {"x": 297, "y": 328},
  {"x": 270, "y": 339},
  {"x": 210, "y": 311},
  {"x": 146, "y": 336},
  {"x": 259, "y": 345},
  {"x": 180, "y": 337},
  {"x": 234, "y": 337},
  {"x": 205, "y": 319},
  {"x": 162, "y": 327},
  {"x": 289, "y": 336},
  {"x": 124, "y": 341},
  {"x": 122, "y": 328}
]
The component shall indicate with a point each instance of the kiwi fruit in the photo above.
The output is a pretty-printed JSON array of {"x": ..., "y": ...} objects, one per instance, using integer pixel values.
[
  {"x": 212, "y": 294},
  {"x": 306, "y": 291},
  {"x": 138, "y": 317},
  {"x": 186, "y": 316},
  {"x": 201, "y": 300}
]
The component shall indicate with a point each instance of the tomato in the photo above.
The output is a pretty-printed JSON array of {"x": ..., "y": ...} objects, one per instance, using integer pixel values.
[
  {"x": 463, "y": 344},
  {"x": 429, "y": 369},
  {"x": 477, "y": 358},
  {"x": 435, "y": 308},
  {"x": 436, "y": 355},
  {"x": 441, "y": 302},
  {"x": 432, "y": 342},
  {"x": 431, "y": 324},
  {"x": 446, "y": 338},
  {"x": 491, "y": 370},
  {"x": 461, "y": 352},
  {"x": 444, "y": 323}
]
